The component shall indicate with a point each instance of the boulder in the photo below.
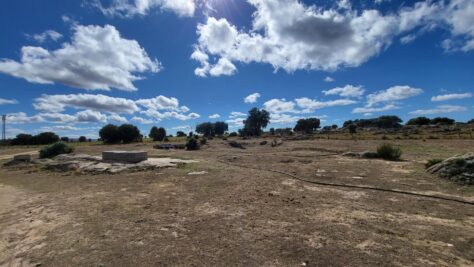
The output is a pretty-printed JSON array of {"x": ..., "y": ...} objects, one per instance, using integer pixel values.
[{"x": 459, "y": 168}]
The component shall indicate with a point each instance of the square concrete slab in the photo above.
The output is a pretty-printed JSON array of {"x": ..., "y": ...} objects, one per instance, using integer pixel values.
[{"x": 125, "y": 156}]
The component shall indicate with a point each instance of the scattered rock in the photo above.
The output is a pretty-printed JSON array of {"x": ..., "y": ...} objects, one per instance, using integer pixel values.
[
  {"x": 362, "y": 155},
  {"x": 351, "y": 154},
  {"x": 198, "y": 173},
  {"x": 459, "y": 169},
  {"x": 276, "y": 143},
  {"x": 236, "y": 144},
  {"x": 94, "y": 165},
  {"x": 369, "y": 155}
]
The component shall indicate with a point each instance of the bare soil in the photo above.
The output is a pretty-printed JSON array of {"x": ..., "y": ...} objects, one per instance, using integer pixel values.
[{"x": 235, "y": 215}]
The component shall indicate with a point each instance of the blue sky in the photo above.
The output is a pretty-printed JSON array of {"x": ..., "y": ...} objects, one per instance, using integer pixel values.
[{"x": 73, "y": 66}]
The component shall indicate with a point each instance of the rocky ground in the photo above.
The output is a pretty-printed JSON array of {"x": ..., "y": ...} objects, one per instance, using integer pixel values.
[{"x": 223, "y": 210}]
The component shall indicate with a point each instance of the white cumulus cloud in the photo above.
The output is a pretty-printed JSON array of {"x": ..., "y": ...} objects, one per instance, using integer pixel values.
[
  {"x": 250, "y": 99},
  {"x": 96, "y": 58},
  {"x": 346, "y": 91},
  {"x": 447, "y": 97},
  {"x": 130, "y": 8},
  {"x": 394, "y": 93},
  {"x": 442, "y": 109}
]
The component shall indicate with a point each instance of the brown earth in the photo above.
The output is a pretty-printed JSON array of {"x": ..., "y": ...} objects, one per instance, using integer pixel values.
[{"x": 237, "y": 215}]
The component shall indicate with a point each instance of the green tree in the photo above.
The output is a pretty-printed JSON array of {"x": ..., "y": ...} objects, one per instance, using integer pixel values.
[
  {"x": 220, "y": 127},
  {"x": 82, "y": 139},
  {"x": 442, "y": 121},
  {"x": 419, "y": 121},
  {"x": 109, "y": 134},
  {"x": 158, "y": 134},
  {"x": 352, "y": 129},
  {"x": 129, "y": 133},
  {"x": 22, "y": 140},
  {"x": 255, "y": 122},
  {"x": 205, "y": 128},
  {"x": 307, "y": 125},
  {"x": 46, "y": 138}
]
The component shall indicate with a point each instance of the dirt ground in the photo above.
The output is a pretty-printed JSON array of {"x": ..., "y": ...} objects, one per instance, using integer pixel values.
[{"x": 235, "y": 215}]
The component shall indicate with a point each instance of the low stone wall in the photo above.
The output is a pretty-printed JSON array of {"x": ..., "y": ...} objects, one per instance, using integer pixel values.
[{"x": 125, "y": 156}]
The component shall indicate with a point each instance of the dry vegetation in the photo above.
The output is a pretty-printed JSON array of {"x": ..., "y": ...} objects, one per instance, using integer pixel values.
[{"x": 235, "y": 214}]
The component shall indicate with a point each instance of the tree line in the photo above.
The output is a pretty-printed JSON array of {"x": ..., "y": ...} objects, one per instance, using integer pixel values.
[{"x": 257, "y": 120}]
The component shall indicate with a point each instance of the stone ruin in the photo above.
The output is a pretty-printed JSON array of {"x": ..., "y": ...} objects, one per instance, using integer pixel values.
[{"x": 111, "y": 162}]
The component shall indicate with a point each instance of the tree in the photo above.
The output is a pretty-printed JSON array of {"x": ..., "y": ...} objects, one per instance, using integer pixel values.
[
  {"x": 388, "y": 122},
  {"x": 22, "y": 140},
  {"x": 158, "y": 134},
  {"x": 380, "y": 122},
  {"x": 110, "y": 134},
  {"x": 352, "y": 129},
  {"x": 419, "y": 121},
  {"x": 220, "y": 127},
  {"x": 307, "y": 125},
  {"x": 129, "y": 133},
  {"x": 205, "y": 128},
  {"x": 82, "y": 139},
  {"x": 334, "y": 126},
  {"x": 255, "y": 122},
  {"x": 45, "y": 138},
  {"x": 272, "y": 131},
  {"x": 442, "y": 121},
  {"x": 471, "y": 121},
  {"x": 65, "y": 139},
  {"x": 180, "y": 134}
]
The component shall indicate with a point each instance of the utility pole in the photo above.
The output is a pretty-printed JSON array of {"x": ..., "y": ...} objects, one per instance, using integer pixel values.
[{"x": 4, "y": 127}]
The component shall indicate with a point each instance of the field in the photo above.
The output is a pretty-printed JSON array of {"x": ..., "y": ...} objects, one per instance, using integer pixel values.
[{"x": 243, "y": 210}]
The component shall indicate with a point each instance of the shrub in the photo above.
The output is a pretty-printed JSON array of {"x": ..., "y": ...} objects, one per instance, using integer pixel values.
[
  {"x": 82, "y": 139},
  {"x": 203, "y": 141},
  {"x": 432, "y": 162},
  {"x": 387, "y": 151},
  {"x": 55, "y": 149},
  {"x": 233, "y": 134},
  {"x": 192, "y": 144},
  {"x": 65, "y": 139}
]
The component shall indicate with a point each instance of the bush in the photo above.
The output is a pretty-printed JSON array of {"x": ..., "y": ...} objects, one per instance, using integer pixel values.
[
  {"x": 203, "y": 141},
  {"x": 432, "y": 162},
  {"x": 82, "y": 139},
  {"x": 233, "y": 134},
  {"x": 55, "y": 149},
  {"x": 389, "y": 152},
  {"x": 192, "y": 144}
]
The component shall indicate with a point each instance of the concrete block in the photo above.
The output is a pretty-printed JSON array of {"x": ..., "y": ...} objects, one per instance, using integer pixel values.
[
  {"x": 25, "y": 157},
  {"x": 125, "y": 156}
]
